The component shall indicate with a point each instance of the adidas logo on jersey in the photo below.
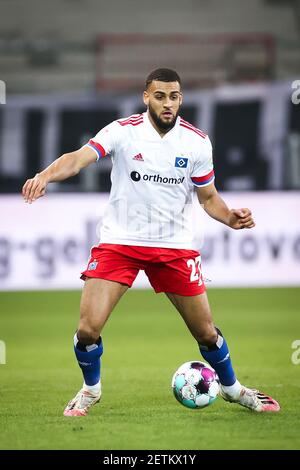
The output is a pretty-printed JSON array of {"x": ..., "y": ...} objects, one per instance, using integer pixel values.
[{"x": 138, "y": 157}]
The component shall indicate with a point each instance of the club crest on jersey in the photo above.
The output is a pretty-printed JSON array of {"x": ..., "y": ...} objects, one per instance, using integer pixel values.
[
  {"x": 181, "y": 162},
  {"x": 92, "y": 265}
]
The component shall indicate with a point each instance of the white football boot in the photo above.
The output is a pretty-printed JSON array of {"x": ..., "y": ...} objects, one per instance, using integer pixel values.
[
  {"x": 81, "y": 403},
  {"x": 252, "y": 399}
]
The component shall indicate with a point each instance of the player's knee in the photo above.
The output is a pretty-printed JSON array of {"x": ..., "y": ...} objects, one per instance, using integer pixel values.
[{"x": 87, "y": 335}]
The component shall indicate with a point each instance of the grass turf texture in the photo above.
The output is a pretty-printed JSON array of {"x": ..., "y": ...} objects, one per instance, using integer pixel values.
[{"x": 144, "y": 343}]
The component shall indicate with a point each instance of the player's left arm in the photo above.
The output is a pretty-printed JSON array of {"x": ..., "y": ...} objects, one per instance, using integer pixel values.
[{"x": 214, "y": 205}]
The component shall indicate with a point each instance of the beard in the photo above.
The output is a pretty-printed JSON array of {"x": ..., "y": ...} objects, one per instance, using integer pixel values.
[{"x": 162, "y": 125}]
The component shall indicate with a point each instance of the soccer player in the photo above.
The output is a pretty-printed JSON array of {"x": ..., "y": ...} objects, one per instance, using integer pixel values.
[{"x": 159, "y": 162}]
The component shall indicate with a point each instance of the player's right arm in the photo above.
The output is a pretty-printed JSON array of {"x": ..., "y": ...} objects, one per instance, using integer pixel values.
[{"x": 62, "y": 168}]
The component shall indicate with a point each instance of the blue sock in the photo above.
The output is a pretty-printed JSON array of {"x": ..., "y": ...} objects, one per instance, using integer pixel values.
[
  {"x": 219, "y": 359},
  {"x": 88, "y": 357}
]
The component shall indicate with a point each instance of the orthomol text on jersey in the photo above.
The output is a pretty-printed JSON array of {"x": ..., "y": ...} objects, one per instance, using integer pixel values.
[{"x": 135, "y": 176}]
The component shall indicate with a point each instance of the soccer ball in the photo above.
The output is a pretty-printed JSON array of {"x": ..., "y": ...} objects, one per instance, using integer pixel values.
[{"x": 195, "y": 384}]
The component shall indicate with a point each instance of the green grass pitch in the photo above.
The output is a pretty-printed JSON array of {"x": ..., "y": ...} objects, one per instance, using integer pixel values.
[{"x": 144, "y": 342}]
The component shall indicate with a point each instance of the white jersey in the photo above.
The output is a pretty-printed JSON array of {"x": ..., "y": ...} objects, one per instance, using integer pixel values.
[{"x": 153, "y": 180}]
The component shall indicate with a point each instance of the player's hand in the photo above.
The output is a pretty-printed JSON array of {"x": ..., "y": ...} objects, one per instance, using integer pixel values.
[
  {"x": 241, "y": 218},
  {"x": 34, "y": 188}
]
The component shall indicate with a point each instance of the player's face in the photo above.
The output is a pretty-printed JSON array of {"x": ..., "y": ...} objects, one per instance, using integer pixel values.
[{"x": 163, "y": 100}]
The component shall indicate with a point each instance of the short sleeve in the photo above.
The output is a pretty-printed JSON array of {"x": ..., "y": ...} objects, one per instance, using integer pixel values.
[
  {"x": 104, "y": 142},
  {"x": 203, "y": 170}
]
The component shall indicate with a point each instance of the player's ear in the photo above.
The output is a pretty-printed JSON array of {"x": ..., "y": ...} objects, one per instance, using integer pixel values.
[{"x": 146, "y": 98}]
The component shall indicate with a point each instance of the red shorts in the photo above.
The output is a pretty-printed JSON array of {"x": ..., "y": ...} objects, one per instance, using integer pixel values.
[{"x": 168, "y": 270}]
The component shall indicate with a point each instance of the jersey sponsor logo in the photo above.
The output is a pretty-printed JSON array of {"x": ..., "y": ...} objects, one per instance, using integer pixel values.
[
  {"x": 135, "y": 176},
  {"x": 138, "y": 157},
  {"x": 181, "y": 162},
  {"x": 92, "y": 265}
]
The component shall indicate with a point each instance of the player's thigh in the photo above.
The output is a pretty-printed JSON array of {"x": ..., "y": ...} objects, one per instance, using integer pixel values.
[
  {"x": 196, "y": 313},
  {"x": 99, "y": 297}
]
